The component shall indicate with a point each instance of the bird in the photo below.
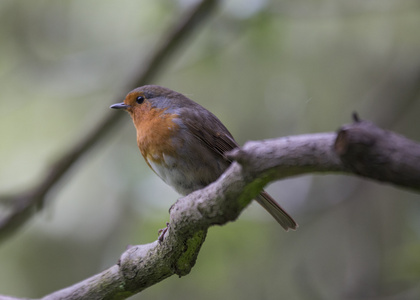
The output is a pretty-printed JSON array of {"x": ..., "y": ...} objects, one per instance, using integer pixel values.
[{"x": 184, "y": 143}]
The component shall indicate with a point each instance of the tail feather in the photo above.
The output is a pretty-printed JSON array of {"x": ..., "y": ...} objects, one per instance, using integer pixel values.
[{"x": 271, "y": 206}]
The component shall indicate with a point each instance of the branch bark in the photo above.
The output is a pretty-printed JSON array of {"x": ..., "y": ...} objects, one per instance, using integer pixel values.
[
  {"x": 373, "y": 152},
  {"x": 257, "y": 164},
  {"x": 27, "y": 202}
]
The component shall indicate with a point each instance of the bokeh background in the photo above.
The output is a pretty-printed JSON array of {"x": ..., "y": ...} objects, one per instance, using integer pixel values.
[{"x": 266, "y": 69}]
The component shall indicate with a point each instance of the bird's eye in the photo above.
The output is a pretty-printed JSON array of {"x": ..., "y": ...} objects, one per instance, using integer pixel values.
[{"x": 140, "y": 99}]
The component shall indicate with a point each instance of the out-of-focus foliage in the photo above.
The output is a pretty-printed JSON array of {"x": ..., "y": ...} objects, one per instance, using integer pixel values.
[{"x": 267, "y": 69}]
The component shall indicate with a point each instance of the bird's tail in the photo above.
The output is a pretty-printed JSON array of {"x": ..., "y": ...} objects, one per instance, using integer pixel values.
[{"x": 270, "y": 205}]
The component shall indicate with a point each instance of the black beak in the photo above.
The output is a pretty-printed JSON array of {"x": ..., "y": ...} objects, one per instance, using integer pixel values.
[{"x": 121, "y": 105}]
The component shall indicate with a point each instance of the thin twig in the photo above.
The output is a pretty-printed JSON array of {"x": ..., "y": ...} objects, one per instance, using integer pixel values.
[{"x": 25, "y": 203}]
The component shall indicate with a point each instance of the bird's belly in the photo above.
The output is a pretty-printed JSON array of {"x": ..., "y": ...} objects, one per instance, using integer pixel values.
[{"x": 183, "y": 176}]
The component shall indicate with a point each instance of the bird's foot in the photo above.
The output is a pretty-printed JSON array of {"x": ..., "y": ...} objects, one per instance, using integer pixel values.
[{"x": 162, "y": 233}]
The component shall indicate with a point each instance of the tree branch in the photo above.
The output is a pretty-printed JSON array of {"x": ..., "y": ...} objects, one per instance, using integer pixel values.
[
  {"x": 257, "y": 164},
  {"x": 26, "y": 203},
  {"x": 373, "y": 152}
]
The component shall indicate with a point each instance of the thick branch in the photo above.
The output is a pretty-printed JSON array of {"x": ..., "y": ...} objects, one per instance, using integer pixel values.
[
  {"x": 289, "y": 156},
  {"x": 373, "y": 152},
  {"x": 258, "y": 163},
  {"x": 190, "y": 217},
  {"x": 25, "y": 203}
]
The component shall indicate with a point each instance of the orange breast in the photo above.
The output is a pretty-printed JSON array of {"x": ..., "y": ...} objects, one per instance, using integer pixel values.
[{"x": 155, "y": 129}]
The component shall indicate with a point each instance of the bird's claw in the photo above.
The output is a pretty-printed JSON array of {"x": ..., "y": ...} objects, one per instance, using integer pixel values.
[{"x": 162, "y": 232}]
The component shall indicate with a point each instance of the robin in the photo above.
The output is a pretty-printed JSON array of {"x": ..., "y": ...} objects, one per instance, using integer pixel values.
[{"x": 184, "y": 143}]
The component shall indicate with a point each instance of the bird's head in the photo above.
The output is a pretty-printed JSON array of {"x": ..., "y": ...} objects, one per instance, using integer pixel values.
[{"x": 149, "y": 97}]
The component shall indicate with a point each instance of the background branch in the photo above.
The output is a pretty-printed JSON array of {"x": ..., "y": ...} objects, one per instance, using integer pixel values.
[{"x": 26, "y": 203}]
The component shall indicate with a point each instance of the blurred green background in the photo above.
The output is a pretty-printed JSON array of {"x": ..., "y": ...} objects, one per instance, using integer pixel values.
[{"x": 266, "y": 69}]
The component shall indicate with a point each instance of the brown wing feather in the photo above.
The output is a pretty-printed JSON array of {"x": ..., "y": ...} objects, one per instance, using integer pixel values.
[{"x": 220, "y": 141}]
